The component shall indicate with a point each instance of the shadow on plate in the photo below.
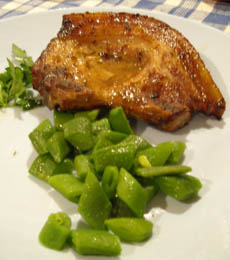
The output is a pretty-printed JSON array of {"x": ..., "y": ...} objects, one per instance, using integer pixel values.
[
  {"x": 64, "y": 204},
  {"x": 170, "y": 205},
  {"x": 31, "y": 158},
  {"x": 41, "y": 113},
  {"x": 82, "y": 257},
  {"x": 198, "y": 122},
  {"x": 82, "y": 225},
  {"x": 45, "y": 186}
]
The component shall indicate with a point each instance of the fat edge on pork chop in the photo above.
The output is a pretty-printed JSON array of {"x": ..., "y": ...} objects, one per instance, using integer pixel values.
[{"x": 129, "y": 60}]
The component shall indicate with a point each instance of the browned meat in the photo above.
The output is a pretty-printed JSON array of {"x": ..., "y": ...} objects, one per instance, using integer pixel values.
[{"x": 140, "y": 63}]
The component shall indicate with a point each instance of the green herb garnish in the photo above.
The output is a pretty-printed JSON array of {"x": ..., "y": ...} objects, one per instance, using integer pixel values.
[{"x": 16, "y": 82}]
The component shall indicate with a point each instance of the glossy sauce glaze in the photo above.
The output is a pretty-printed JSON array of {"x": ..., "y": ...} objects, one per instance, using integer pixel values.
[{"x": 130, "y": 60}]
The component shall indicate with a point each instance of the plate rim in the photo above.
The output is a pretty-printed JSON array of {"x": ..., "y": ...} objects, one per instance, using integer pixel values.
[
  {"x": 152, "y": 11},
  {"x": 117, "y": 9}
]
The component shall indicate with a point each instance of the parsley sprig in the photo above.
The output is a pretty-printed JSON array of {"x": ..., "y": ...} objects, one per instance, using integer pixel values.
[{"x": 16, "y": 82}]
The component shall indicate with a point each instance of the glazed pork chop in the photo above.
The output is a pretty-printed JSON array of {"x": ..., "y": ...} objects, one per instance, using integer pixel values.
[{"x": 128, "y": 60}]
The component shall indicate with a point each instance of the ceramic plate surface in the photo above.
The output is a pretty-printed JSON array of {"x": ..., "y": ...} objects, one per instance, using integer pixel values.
[{"x": 192, "y": 231}]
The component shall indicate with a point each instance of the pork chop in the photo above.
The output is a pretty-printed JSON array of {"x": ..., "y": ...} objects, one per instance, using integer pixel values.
[{"x": 128, "y": 60}]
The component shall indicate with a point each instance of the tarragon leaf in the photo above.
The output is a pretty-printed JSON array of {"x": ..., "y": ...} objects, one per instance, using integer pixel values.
[
  {"x": 21, "y": 57},
  {"x": 17, "y": 87},
  {"x": 5, "y": 77},
  {"x": 16, "y": 82},
  {"x": 28, "y": 101},
  {"x": 3, "y": 95}
]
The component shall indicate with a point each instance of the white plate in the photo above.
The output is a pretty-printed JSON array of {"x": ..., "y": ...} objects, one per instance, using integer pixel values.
[{"x": 195, "y": 231}]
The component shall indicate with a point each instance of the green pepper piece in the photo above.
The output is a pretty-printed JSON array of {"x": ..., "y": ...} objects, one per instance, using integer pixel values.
[
  {"x": 181, "y": 187},
  {"x": 66, "y": 166},
  {"x": 94, "y": 206},
  {"x": 107, "y": 138},
  {"x": 110, "y": 180},
  {"x": 101, "y": 142},
  {"x": 83, "y": 166},
  {"x": 112, "y": 136},
  {"x": 91, "y": 114},
  {"x": 177, "y": 152},
  {"x": 43, "y": 167},
  {"x": 58, "y": 147},
  {"x": 132, "y": 193},
  {"x": 55, "y": 231},
  {"x": 60, "y": 118},
  {"x": 162, "y": 170},
  {"x": 68, "y": 185},
  {"x": 40, "y": 135},
  {"x": 149, "y": 185},
  {"x": 119, "y": 121},
  {"x": 144, "y": 162},
  {"x": 130, "y": 229},
  {"x": 145, "y": 181},
  {"x": 157, "y": 156},
  {"x": 151, "y": 191},
  {"x": 78, "y": 132},
  {"x": 120, "y": 155},
  {"x": 120, "y": 209},
  {"x": 95, "y": 242},
  {"x": 141, "y": 143},
  {"x": 100, "y": 125}
]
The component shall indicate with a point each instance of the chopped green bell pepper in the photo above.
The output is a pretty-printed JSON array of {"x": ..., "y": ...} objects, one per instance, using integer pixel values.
[
  {"x": 112, "y": 136},
  {"x": 162, "y": 170},
  {"x": 40, "y": 135},
  {"x": 157, "y": 155},
  {"x": 100, "y": 125},
  {"x": 91, "y": 114},
  {"x": 60, "y": 118},
  {"x": 78, "y": 132},
  {"x": 43, "y": 167},
  {"x": 141, "y": 143},
  {"x": 120, "y": 155},
  {"x": 66, "y": 166},
  {"x": 83, "y": 166},
  {"x": 144, "y": 162},
  {"x": 58, "y": 147},
  {"x": 110, "y": 180},
  {"x": 95, "y": 242},
  {"x": 55, "y": 231},
  {"x": 130, "y": 229},
  {"x": 132, "y": 193},
  {"x": 177, "y": 152},
  {"x": 121, "y": 209},
  {"x": 94, "y": 206},
  {"x": 101, "y": 142},
  {"x": 119, "y": 121},
  {"x": 68, "y": 185},
  {"x": 181, "y": 187},
  {"x": 151, "y": 191}
]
